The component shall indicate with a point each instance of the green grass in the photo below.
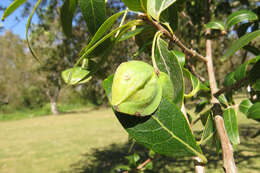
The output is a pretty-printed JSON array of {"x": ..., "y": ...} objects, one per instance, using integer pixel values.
[
  {"x": 93, "y": 141},
  {"x": 53, "y": 143},
  {"x": 25, "y": 113}
]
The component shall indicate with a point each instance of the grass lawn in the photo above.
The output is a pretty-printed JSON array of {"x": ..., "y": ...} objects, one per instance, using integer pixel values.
[{"x": 93, "y": 141}]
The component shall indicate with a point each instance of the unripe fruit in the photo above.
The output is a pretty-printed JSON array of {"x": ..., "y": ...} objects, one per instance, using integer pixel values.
[
  {"x": 136, "y": 89},
  {"x": 167, "y": 86}
]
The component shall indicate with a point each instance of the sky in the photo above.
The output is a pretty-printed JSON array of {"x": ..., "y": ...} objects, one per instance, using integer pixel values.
[{"x": 10, "y": 23}]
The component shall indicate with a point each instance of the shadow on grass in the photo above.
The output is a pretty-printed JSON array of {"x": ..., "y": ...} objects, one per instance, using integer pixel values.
[{"x": 247, "y": 156}]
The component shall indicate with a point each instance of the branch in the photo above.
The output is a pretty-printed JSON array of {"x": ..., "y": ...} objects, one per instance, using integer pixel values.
[
  {"x": 143, "y": 164},
  {"x": 228, "y": 159},
  {"x": 174, "y": 39},
  {"x": 236, "y": 86},
  {"x": 227, "y": 150}
]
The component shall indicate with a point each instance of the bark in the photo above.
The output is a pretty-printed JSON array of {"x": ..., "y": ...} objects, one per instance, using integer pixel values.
[
  {"x": 227, "y": 150},
  {"x": 53, "y": 96},
  {"x": 54, "y": 108}
]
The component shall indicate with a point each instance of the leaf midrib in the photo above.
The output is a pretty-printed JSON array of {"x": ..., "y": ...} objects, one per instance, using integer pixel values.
[{"x": 180, "y": 140}]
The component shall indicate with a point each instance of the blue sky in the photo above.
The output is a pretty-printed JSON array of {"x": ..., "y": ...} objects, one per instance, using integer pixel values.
[{"x": 10, "y": 23}]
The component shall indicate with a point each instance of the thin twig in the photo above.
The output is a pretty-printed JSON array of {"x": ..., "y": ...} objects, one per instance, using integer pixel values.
[
  {"x": 195, "y": 121},
  {"x": 174, "y": 39},
  {"x": 144, "y": 164},
  {"x": 236, "y": 86}
]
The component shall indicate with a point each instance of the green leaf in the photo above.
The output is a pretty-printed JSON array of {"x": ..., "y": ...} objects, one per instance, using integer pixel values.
[
  {"x": 241, "y": 72},
  {"x": 94, "y": 13},
  {"x": 107, "y": 85},
  {"x": 131, "y": 33},
  {"x": 254, "y": 73},
  {"x": 28, "y": 24},
  {"x": 169, "y": 17},
  {"x": 90, "y": 48},
  {"x": 167, "y": 62},
  {"x": 194, "y": 82},
  {"x": 102, "y": 30},
  {"x": 241, "y": 42},
  {"x": 231, "y": 125},
  {"x": 67, "y": 12},
  {"x": 208, "y": 131},
  {"x": 245, "y": 105},
  {"x": 136, "y": 5},
  {"x": 216, "y": 25},
  {"x": 166, "y": 132},
  {"x": 180, "y": 56},
  {"x": 133, "y": 159},
  {"x": 222, "y": 99},
  {"x": 240, "y": 16},
  {"x": 75, "y": 75},
  {"x": 256, "y": 85},
  {"x": 12, "y": 7},
  {"x": 254, "y": 111},
  {"x": 156, "y": 7}
]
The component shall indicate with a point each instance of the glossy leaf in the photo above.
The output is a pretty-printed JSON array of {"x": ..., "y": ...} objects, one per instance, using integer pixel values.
[
  {"x": 28, "y": 24},
  {"x": 12, "y": 7},
  {"x": 168, "y": 63},
  {"x": 75, "y": 75},
  {"x": 215, "y": 25},
  {"x": 166, "y": 132},
  {"x": 245, "y": 105},
  {"x": 240, "y": 16},
  {"x": 90, "y": 48},
  {"x": 107, "y": 85},
  {"x": 94, "y": 13},
  {"x": 194, "y": 82},
  {"x": 180, "y": 56},
  {"x": 169, "y": 17},
  {"x": 254, "y": 111},
  {"x": 241, "y": 72},
  {"x": 241, "y": 42},
  {"x": 67, "y": 12},
  {"x": 156, "y": 7},
  {"x": 131, "y": 33},
  {"x": 106, "y": 26},
  {"x": 231, "y": 125},
  {"x": 136, "y": 5},
  {"x": 222, "y": 99},
  {"x": 208, "y": 131}
]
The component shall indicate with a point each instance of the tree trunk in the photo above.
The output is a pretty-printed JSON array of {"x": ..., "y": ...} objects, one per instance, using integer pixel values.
[
  {"x": 54, "y": 108},
  {"x": 53, "y": 96}
]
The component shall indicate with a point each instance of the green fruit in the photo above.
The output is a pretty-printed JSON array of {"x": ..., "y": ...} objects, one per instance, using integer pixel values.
[
  {"x": 136, "y": 89},
  {"x": 167, "y": 86}
]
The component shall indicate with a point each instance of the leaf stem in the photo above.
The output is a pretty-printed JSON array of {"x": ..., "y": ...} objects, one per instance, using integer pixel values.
[
  {"x": 157, "y": 34},
  {"x": 122, "y": 21},
  {"x": 27, "y": 31}
]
